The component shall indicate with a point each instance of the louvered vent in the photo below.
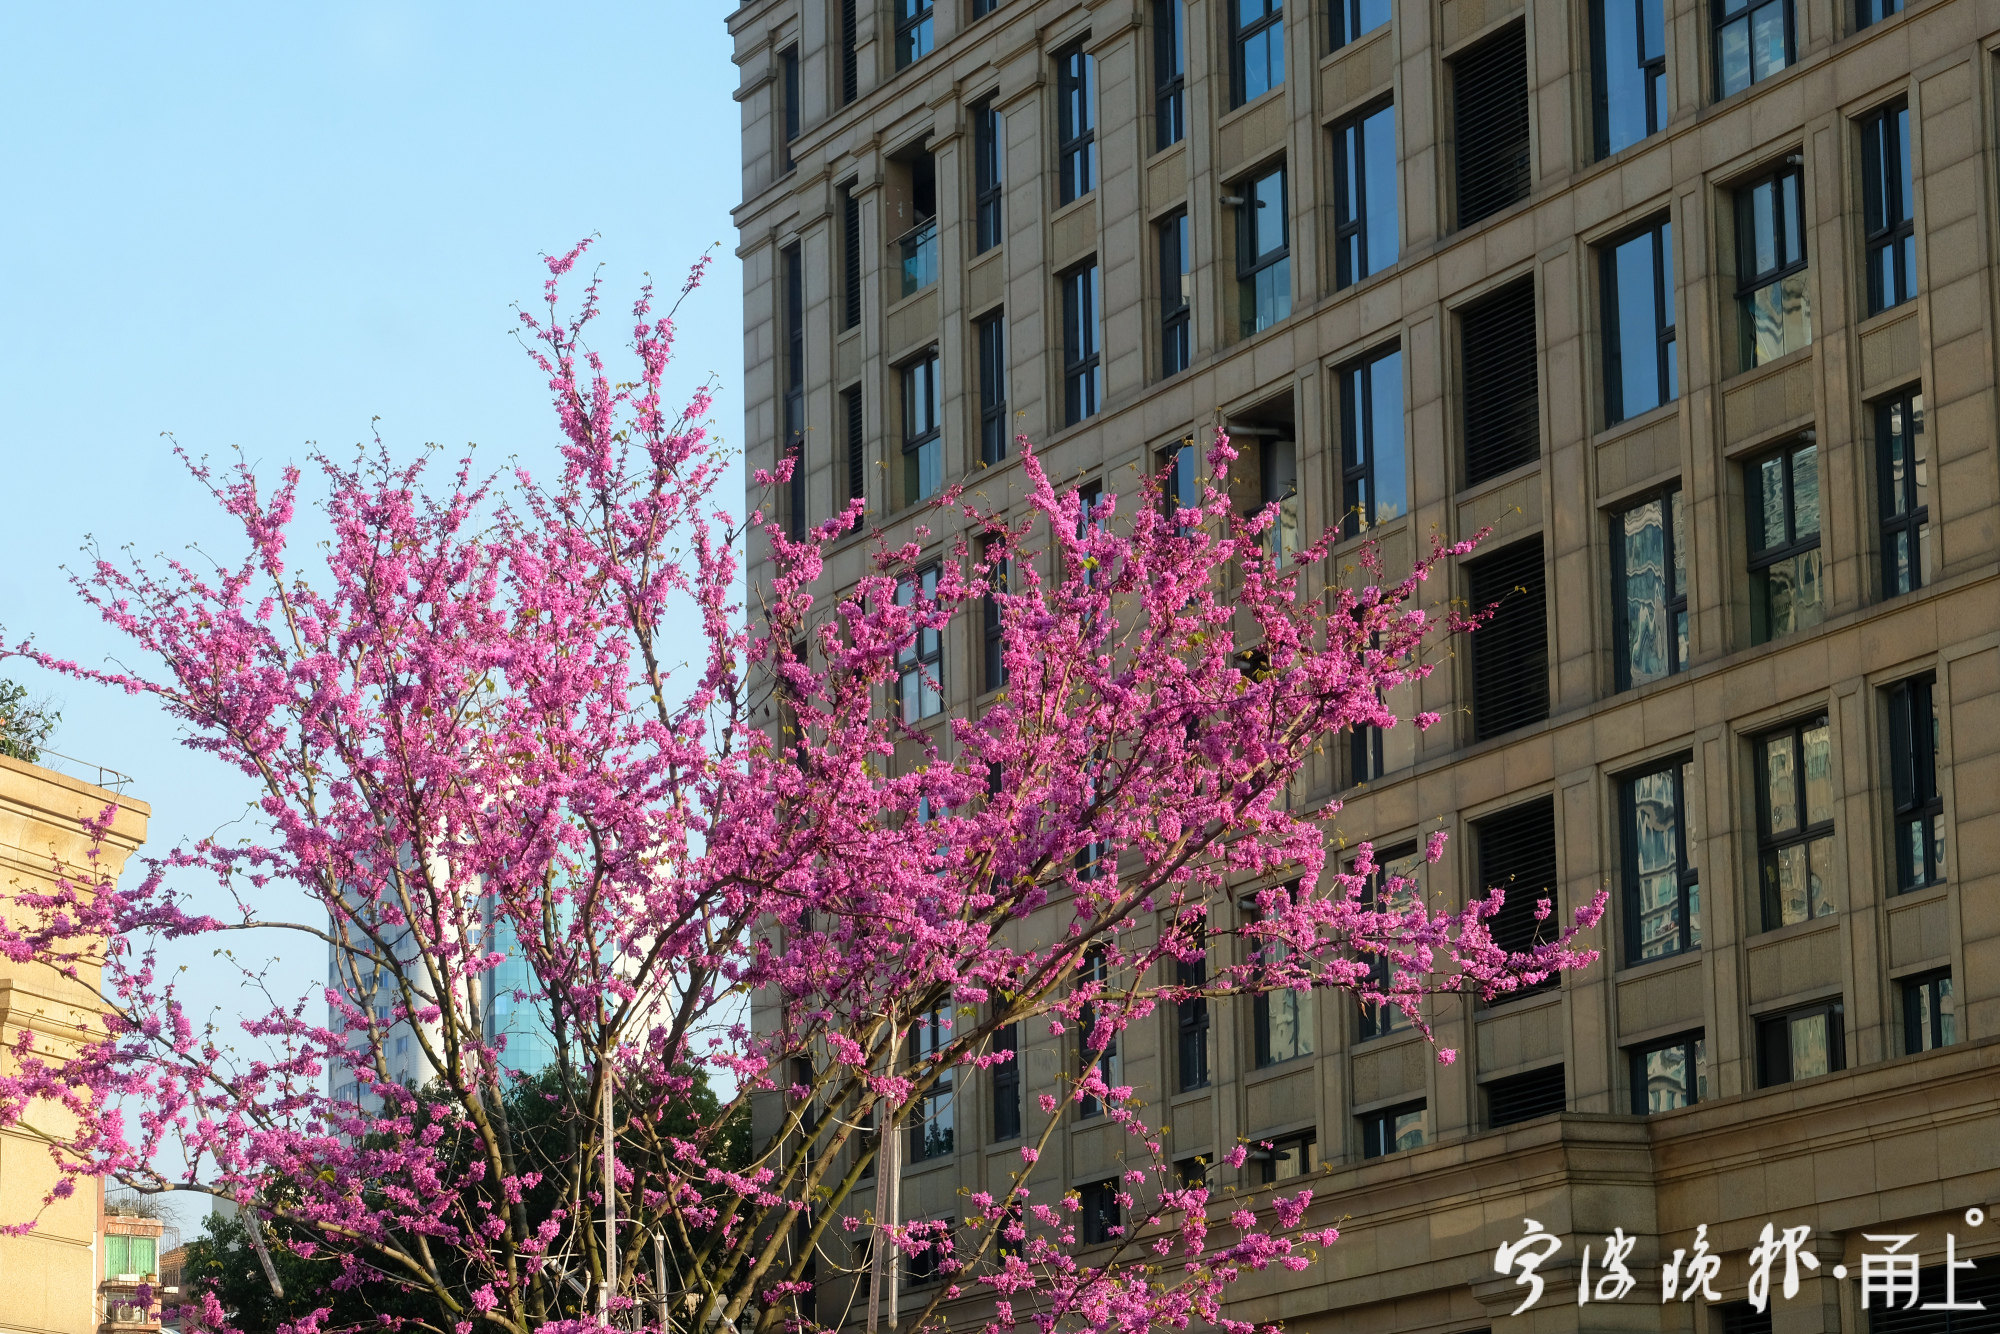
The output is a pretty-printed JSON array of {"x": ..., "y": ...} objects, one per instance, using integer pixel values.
[
  {"x": 1742, "y": 1318},
  {"x": 850, "y": 259},
  {"x": 1490, "y": 124},
  {"x": 1502, "y": 408},
  {"x": 1979, "y": 1285},
  {"x": 1525, "y": 1097},
  {"x": 1510, "y": 651},
  {"x": 850, "y": 68},
  {"x": 1517, "y": 855},
  {"x": 857, "y": 462}
]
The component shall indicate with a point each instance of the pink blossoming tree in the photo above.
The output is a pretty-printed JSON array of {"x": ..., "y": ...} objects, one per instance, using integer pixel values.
[{"x": 726, "y": 860}]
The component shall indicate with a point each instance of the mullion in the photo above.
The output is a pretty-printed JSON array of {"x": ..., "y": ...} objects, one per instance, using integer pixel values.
[
  {"x": 1664, "y": 334},
  {"x": 1803, "y": 833},
  {"x": 1792, "y": 545}
]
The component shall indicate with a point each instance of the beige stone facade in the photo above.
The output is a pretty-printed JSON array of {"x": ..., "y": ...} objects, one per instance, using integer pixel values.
[
  {"x": 51, "y": 1280},
  {"x": 1893, "y": 1143}
]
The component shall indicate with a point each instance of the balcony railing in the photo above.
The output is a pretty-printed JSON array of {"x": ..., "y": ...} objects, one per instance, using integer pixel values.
[{"x": 918, "y": 251}]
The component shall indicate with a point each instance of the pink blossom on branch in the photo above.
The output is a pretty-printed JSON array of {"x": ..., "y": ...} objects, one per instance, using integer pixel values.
[{"x": 470, "y": 712}]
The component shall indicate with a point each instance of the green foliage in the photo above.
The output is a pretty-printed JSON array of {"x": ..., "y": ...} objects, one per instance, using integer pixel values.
[{"x": 25, "y": 725}]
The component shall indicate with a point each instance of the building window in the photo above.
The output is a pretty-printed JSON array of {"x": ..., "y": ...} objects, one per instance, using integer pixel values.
[
  {"x": 1083, "y": 377},
  {"x": 1096, "y": 969},
  {"x": 1169, "y": 73},
  {"x": 1256, "y": 48},
  {"x": 857, "y": 445},
  {"x": 1867, "y": 12},
  {"x": 913, "y": 31},
  {"x": 923, "y": 440},
  {"x": 792, "y": 265},
  {"x": 1913, "y": 782},
  {"x": 850, "y": 46},
  {"x": 1517, "y": 855},
  {"x": 1191, "y": 1173},
  {"x": 1524, "y": 1097},
  {"x": 920, "y": 662},
  {"x": 1278, "y": 473},
  {"x": 917, "y": 248},
  {"x": 992, "y": 639},
  {"x": 1364, "y": 195},
  {"x": 850, "y": 257},
  {"x": 1795, "y": 822},
  {"x": 1498, "y": 365},
  {"x": 1510, "y": 652},
  {"x": 1753, "y": 40},
  {"x": 992, "y": 341},
  {"x": 1180, "y": 479},
  {"x": 1649, "y": 576},
  {"x": 1930, "y": 1018},
  {"x": 1393, "y": 1130},
  {"x": 1373, "y": 472},
  {"x": 1628, "y": 51},
  {"x": 1286, "y": 1158},
  {"x": 1006, "y": 1084},
  {"x": 1669, "y": 1075},
  {"x": 1638, "y": 281},
  {"x": 1490, "y": 125},
  {"x": 1785, "y": 591},
  {"x": 933, "y": 1122},
  {"x": 1102, "y": 1220},
  {"x": 987, "y": 173},
  {"x": 1176, "y": 310},
  {"x": 1281, "y": 1018},
  {"x": 1887, "y": 198},
  {"x": 1191, "y": 1023},
  {"x": 1076, "y": 124},
  {"x": 1392, "y": 887},
  {"x": 1662, "y": 888},
  {"x": 1902, "y": 485},
  {"x": 788, "y": 84},
  {"x": 1775, "y": 313},
  {"x": 1800, "y": 1044},
  {"x": 981, "y": 8},
  {"x": 128, "y": 1257},
  {"x": 1354, "y": 19},
  {"x": 1263, "y": 254}
]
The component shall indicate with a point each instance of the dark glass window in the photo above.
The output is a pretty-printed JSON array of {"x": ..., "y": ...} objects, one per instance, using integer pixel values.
[
  {"x": 992, "y": 340},
  {"x": 1286, "y": 1158},
  {"x": 987, "y": 174},
  {"x": 933, "y": 1119},
  {"x": 1006, "y": 1085},
  {"x": 1785, "y": 586},
  {"x": 1256, "y": 48},
  {"x": 1649, "y": 583},
  {"x": 1501, "y": 403},
  {"x": 1102, "y": 1218},
  {"x": 1191, "y": 1172},
  {"x": 1975, "y": 1292},
  {"x": 1638, "y": 283},
  {"x": 850, "y": 257},
  {"x": 1083, "y": 377},
  {"x": 1903, "y": 490},
  {"x": 1913, "y": 782},
  {"x": 794, "y": 425},
  {"x": 1930, "y": 1016},
  {"x": 1180, "y": 477},
  {"x": 1490, "y": 125},
  {"x": 1191, "y": 1023},
  {"x": 913, "y": 31},
  {"x": 1743, "y": 1318},
  {"x": 1355, "y": 19},
  {"x": 1753, "y": 40},
  {"x": 1517, "y": 855},
  {"x": 1668, "y": 1075},
  {"x": 1795, "y": 822},
  {"x": 1800, "y": 1044},
  {"x": 923, "y": 439},
  {"x": 1364, "y": 195},
  {"x": 788, "y": 83},
  {"x": 1281, "y": 1019},
  {"x": 1176, "y": 309},
  {"x": 981, "y": 8},
  {"x": 1393, "y": 887},
  {"x": 1662, "y": 889},
  {"x": 1263, "y": 254},
  {"x": 1096, "y": 968},
  {"x": 1887, "y": 197},
  {"x": 1510, "y": 651},
  {"x": 1394, "y": 1129},
  {"x": 920, "y": 662},
  {"x": 1169, "y": 73},
  {"x": 1526, "y": 1096},
  {"x": 1076, "y": 124},
  {"x": 857, "y": 445},
  {"x": 1373, "y": 470},
  {"x": 1775, "y": 312},
  {"x": 1874, "y": 11},
  {"x": 1628, "y": 51},
  {"x": 992, "y": 640},
  {"x": 850, "y": 64}
]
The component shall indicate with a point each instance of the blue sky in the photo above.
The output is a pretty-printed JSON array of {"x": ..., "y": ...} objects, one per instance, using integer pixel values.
[{"x": 264, "y": 225}]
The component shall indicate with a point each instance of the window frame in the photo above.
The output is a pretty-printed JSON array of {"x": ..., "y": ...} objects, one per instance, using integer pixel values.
[
  {"x": 854, "y": 426},
  {"x": 1673, "y": 522},
  {"x": 788, "y": 93},
  {"x": 1916, "y": 798},
  {"x": 1721, "y": 18},
  {"x": 1305, "y": 1028},
  {"x": 1694, "y": 1057},
  {"x": 1076, "y": 123},
  {"x": 920, "y": 663},
  {"x": 1360, "y": 451},
  {"x": 1836, "y": 1040},
  {"x": 1194, "y": 1064},
  {"x": 1762, "y": 559},
  {"x": 1666, "y": 378},
  {"x": 1172, "y": 236},
  {"x": 1251, "y": 265},
  {"x": 1101, "y": 1217},
  {"x": 791, "y": 264},
  {"x": 920, "y": 377},
  {"x": 1687, "y": 877},
  {"x": 1241, "y": 35},
  {"x": 1939, "y": 1014},
  {"x": 1083, "y": 369},
  {"x": 938, "y": 1104},
  {"x": 1651, "y": 70},
  {"x": 914, "y": 34},
  {"x": 990, "y": 346},
  {"x": 1169, "y": 19},
  {"x": 1864, "y": 18},
  {"x": 989, "y": 174},
  {"x": 850, "y": 256},
  {"x": 1751, "y": 285},
  {"x": 1109, "y": 1062},
  {"x": 1005, "y": 1085},
  {"x": 1344, "y": 20},
  {"x": 1381, "y": 1021},
  {"x": 1901, "y": 519},
  {"x": 1885, "y": 162},
  {"x": 1770, "y": 845},
  {"x": 1303, "y": 1143},
  {"x": 993, "y": 674},
  {"x": 1351, "y": 215},
  {"x": 1378, "y": 1129}
]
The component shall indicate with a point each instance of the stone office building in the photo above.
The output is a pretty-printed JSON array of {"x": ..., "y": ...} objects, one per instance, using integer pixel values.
[{"x": 1691, "y": 303}]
